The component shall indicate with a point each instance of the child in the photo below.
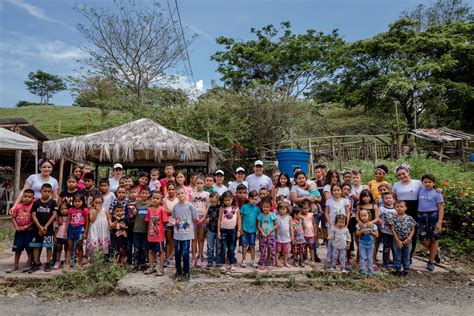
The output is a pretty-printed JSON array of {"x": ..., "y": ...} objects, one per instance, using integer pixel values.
[
  {"x": 356, "y": 189},
  {"x": 169, "y": 173},
  {"x": 107, "y": 196},
  {"x": 219, "y": 182},
  {"x": 200, "y": 201},
  {"x": 367, "y": 232},
  {"x": 154, "y": 184},
  {"x": 387, "y": 212},
  {"x": 21, "y": 219},
  {"x": 142, "y": 181},
  {"x": 241, "y": 195},
  {"x": 380, "y": 173},
  {"x": 228, "y": 229},
  {"x": 212, "y": 220},
  {"x": 309, "y": 230},
  {"x": 209, "y": 184},
  {"x": 77, "y": 227},
  {"x": 140, "y": 228},
  {"x": 367, "y": 203},
  {"x": 430, "y": 218},
  {"x": 60, "y": 235},
  {"x": 184, "y": 215},
  {"x": 383, "y": 188},
  {"x": 90, "y": 192},
  {"x": 129, "y": 211},
  {"x": 336, "y": 205},
  {"x": 283, "y": 234},
  {"x": 267, "y": 225},
  {"x": 248, "y": 216},
  {"x": 98, "y": 238},
  {"x": 297, "y": 237},
  {"x": 181, "y": 182},
  {"x": 169, "y": 202},
  {"x": 121, "y": 199},
  {"x": 156, "y": 218},
  {"x": 281, "y": 192},
  {"x": 77, "y": 174},
  {"x": 118, "y": 233},
  {"x": 341, "y": 240},
  {"x": 347, "y": 176},
  {"x": 67, "y": 195},
  {"x": 403, "y": 229},
  {"x": 43, "y": 213}
]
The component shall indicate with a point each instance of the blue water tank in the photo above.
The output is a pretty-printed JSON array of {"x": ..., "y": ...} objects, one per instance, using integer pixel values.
[
  {"x": 472, "y": 157},
  {"x": 288, "y": 159}
]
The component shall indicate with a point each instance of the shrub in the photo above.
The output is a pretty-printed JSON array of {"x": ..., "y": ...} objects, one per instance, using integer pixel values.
[{"x": 459, "y": 207}]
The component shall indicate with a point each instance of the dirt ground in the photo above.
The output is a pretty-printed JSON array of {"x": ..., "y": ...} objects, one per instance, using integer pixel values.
[{"x": 256, "y": 300}]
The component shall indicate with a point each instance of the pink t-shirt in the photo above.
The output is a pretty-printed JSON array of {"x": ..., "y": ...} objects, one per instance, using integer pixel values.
[
  {"x": 156, "y": 219},
  {"x": 308, "y": 222},
  {"x": 229, "y": 217},
  {"x": 78, "y": 216},
  {"x": 22, "y": 214},
  {"x": 200, "y": 201}
]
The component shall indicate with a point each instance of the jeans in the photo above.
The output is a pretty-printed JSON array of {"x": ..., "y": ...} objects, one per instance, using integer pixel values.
[
  {"x": 366, "y": 253},
  {"x": 130, "y": 247},
  {"x": 401, "y": 257},
  {"x": 340, "y": 254},
  {"x": 181, "y": 250},
  {"x": 213, "y": 248},
  {"x": 228, "y": 239},
  {"x": 140, "y": 245},
  {"x": 387, "y": 241},
  {"x": 316, "y": 240}
]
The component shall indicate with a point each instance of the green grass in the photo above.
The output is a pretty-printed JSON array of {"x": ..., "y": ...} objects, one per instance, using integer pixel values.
[{"x": 63, "y": 121}]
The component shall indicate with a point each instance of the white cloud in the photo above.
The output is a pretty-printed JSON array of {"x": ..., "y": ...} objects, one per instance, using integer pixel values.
[
  {"x": 37, "y": 12},
  {"x": 182, "y": 82}
]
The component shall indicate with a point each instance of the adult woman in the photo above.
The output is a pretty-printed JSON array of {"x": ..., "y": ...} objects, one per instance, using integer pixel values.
[
  {"x": 300, "y": 192},
  {"x": 114, "y": 181},
  {"x": 380, "y": 172},
  {"x": 407, "y": 190},
  {"x": 332, "y": 177},
  {"x": 35, "y": 181}
]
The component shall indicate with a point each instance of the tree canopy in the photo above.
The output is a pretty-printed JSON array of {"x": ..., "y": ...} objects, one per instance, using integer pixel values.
[{"x": 44, "y": 85}]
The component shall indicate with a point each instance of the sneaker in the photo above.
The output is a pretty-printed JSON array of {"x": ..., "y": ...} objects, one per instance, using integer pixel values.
[
  {"x": 223, "y": 269},
  {"x": 33, "y": 269},
  {"x": 437, "y": 258},
  {"x": 209, "y": 264},
  {"x": 56, "y": 265},
  {"x": 331, "y": 269},
  {"x": 398, "y": 273},
  {"x": 430, "y": 266},
  {"x": 166, "y": 263},
  {"x": 316, "y": 259},
  {"x": 253, "y": 264},
  {"x": 243, "y": 264},
  {"x": 405, "y": 273},
  {"x": 233, "y": 268},
  {"x": 373, "y": 272},
  {"x": 302, "y": 263},
  {"x": 177, "y": 276},
  {"x": 344, "y": 271},
  {"x": 47, "y": 267},
  {"x": 186, "y": 277}
]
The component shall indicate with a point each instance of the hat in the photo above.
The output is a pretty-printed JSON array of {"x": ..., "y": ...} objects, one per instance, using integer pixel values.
[
  {"x": 219, "y": 172},
  {"x": 258, "y": 163},
  {"x": 239, "y": 169},
  {"x": 118, "y": 166}
]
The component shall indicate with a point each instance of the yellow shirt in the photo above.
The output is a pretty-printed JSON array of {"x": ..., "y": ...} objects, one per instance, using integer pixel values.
[{"x": 374, "y": 187}]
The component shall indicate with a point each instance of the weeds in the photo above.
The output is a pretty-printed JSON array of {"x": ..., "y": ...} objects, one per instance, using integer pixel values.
[{"x": 290, "y": 283}]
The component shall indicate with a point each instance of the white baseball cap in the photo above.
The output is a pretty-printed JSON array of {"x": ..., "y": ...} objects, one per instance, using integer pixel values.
[
  {"x": 118, "y": 166},
  {"x": 258, "y": 163},
  {"x": 239, "y": 169},
  {"x": 219, "y": 172}
]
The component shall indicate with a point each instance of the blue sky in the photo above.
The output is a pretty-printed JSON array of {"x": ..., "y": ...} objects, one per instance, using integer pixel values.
[{"x": 41, "y": 34}]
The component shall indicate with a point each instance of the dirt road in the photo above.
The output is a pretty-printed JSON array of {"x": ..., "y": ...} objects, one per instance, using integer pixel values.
[{"x": 254, "y": 300}]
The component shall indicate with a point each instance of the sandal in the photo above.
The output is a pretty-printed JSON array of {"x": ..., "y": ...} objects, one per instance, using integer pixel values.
[
  {"x": 160, "y": 272},
  {"x": 148, "y": 271}
]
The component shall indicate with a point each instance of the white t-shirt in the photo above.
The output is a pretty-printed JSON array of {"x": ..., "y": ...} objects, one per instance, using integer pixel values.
[
  {"x": 407, "y": 192},
  {"x": 113, "y": 185},
  {"x": 336, "y": 208},
  {"x": 220, "y": 189},
  {"x": 283, "y": 231},
  {"x": 256, "y": 183},
  {"x": 233, "y": 185},
  {"x": 36, "y": 182},
  {"x": 108, "y": 198},
  {"x": 327, "y": 188}
]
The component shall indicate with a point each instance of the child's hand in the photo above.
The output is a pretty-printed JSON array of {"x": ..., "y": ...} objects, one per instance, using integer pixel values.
[
  {"x": 399, "y": 244},
  {"x": 439, "y": 227},
  {"x": 219, "y": 235},
  {"x": 239, "y": 233},
  {"x": 84, "y": 236}
]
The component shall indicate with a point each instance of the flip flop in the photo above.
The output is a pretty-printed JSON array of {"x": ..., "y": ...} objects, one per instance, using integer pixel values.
[{"x": 160, "y": 272}]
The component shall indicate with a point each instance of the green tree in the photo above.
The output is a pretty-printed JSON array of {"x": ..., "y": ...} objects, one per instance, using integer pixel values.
[
  {"x": 288, "y": 63},
  {"x": 44, "y": 85}
]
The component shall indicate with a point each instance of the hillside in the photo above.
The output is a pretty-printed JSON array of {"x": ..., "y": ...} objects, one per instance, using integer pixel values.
[{"x": 63, "y": 121}]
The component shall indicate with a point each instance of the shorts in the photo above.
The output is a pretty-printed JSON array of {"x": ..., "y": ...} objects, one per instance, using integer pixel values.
[
  {"x": 45, "y": 241},
  {"x": 284, "y": 247},
  {"x": 298, "y": 249},
  {"x": 62, "y": 241},
  {"x": 22, "y": 241},
  {"x": 309, "y": 241},
  {"x": 74, "y": 232},
  {"x": 169, "y": 228},
  {"x": 156, "y": 247},
  {"x": 426, "y": 226},
  {"x": 248, "y": 239}
]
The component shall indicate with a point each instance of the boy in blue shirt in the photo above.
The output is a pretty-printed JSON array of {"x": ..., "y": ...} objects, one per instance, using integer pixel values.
[{"x": 248, "y": 217}]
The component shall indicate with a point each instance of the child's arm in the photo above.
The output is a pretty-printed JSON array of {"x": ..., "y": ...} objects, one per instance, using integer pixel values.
[
  {"x": 14, "y": 221},
  {"x": 395, "y": 236},
  {"x": 239, "y": 224},
  {"x": 348, "y": 214},
  {"x": 375, "y": 232},
  {"x": 359, "y": 231},
  {"x": 348, "y": 239},
  {"x": 260, "y": 228},
  {"x": 315, "y": 228},
  {"x": 328, "y": 218},
  {"x": 275, "y": 227},
  {"x": 51, "y": 220},
  {"x": 93, "y": 215},
  {"x": 408, "y": 240},
  {"x": 439, "y": 224},
  {"x": 86, "y": 228},
  {"x": 274, "y": 195},
  {"x": 292, "y": 232},
  {"x": 219, "y": 221}
]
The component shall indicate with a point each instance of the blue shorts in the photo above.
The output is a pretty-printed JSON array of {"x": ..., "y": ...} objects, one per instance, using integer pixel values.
[
  {"x": 38, "y": 241},
  {"x": 156, "y": 247},
  {"x": 426, "y": 226},
  {"x": 248, "y": 239},
  {"x": 74, "y": 232},
  {"x": 22, "y": 241}
]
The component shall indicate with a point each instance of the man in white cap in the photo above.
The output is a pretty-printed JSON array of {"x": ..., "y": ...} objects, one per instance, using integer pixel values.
[
  {"x": 114, "y": 181},
  {"x": 239, "y": 179},
  {"x": 258, "y": 180},
  {"x": 219, "y": 182}
]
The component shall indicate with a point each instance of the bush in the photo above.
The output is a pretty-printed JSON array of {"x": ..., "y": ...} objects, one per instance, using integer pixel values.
[{"x": 459, "y": 207}]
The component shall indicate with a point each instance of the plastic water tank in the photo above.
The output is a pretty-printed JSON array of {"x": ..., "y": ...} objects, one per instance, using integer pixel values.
[{"x": 288, "y": 159}]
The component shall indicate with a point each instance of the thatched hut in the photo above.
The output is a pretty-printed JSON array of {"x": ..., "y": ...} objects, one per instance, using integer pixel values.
[{"x": 138, "y": 143}]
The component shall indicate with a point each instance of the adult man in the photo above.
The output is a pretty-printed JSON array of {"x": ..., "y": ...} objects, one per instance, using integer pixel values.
[
  {"x": 239, "y": 179},
  {"x": 258, "y": 180},
  {"x": 219, "y": 182},
  {"x": 114, "y": 181}
]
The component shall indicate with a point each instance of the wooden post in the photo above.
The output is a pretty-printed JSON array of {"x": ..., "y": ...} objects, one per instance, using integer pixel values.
[
  {"x": 463, "y": 160},
  {"x": 61, "y": 172},
  {"x": 311, "y": 162},
  {"x": 17, "y": 174},
  {"x": 441, "y": 152},
  {"x": 375, "y": 151},
  {"x": 333, "y": 150},
  {"x": 340, "y": 155},
  {"x": 207, "y": 157},
  {"x": 363, "y": 149}
]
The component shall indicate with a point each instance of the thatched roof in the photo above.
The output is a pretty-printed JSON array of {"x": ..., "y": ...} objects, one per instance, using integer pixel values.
[{"x": 141, "y": 140}]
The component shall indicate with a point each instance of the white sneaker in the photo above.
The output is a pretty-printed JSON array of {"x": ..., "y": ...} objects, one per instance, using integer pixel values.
[
  {"x": 56, "y": 265},
  {"x": 233, "y": 268},
  {"x": 243, "y": 264},
  {"x": 253, "y": 264},
  {"x": 344, "y": 271},
  {"x": 331, "y": 269}
]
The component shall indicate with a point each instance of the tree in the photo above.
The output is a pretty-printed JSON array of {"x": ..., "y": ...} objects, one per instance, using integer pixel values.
[
  {"x": 44, "y": 85},
  {"x": 132, "y": 43},
  {"x": 287, "y": 62}
]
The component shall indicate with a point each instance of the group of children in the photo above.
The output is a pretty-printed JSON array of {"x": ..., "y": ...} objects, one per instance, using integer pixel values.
[{"x": 150, "y": 223}]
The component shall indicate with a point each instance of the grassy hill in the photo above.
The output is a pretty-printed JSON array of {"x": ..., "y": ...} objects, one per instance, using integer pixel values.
[{"x": 63, "y": 121}]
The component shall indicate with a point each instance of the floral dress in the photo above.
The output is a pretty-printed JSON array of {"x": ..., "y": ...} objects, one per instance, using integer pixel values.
[{"x": 99, "y": 235}]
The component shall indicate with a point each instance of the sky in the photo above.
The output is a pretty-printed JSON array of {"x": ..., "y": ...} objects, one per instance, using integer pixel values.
[{"x": 42, "y": 34}]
